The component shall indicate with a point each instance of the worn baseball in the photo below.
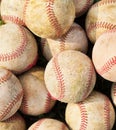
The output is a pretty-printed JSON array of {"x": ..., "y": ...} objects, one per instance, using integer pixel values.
[
  {"x": 18, "y": 51},
  {"x": 12, "y": 11},
  {"x": 113, "y": 93},
  {"x": 101, "y": 17},
  {"x": 82, "y": 6},
  {"x": 48, "y": 124},
  {"x": 11, "y": 94},
  {"x": 65, "y": 76},
  {"x": 37, "y": 99},
  {"x": 104, "y": 55},
  {"x": 15, "y": 122},
  {"x": 96, "y": 112},
  {"x": 74, "y": 39},
  {"x": 49, "y": 18}
]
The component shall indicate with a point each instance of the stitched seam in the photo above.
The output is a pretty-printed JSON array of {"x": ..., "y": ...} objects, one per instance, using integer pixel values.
[
  {"x": 84, "y": 116},
  {"x": 107, "y": 113},
  {"x": 37, "y": 125},
  {"x": 101, "y": 3},
  {"x": 107, "y": 66},
  {"x": 5, "y": 77},
  {"x": 14, "y": 19},
  {"x": 10, "y": 105},
  {"x": 101, "y": 24},
  {"x": 59, "y": 77},
  {"x": 18, "y": 51},
  {"x": 52, "y": 18},
  {"x": 89, "y": 81}
]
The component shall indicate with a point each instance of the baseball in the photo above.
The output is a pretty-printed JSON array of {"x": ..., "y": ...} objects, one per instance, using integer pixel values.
[
  {"x": 104, "y": 55},
  {"x": 65, "y": 76},
  {"x": 48, "y": 124},
  {"x": 19, "y": 50},
  {"x": 101, "y": 17},
  {"x": 49, "y": 18},
  {"x": 94, "y": 113},
  {"x": 12, "y": 11},
  {"x": 36, "y": 99},
  {"x": 113, "y": 93},
  {"x": 82, "y": 6},
  {"x": 74, "y": 39},
  {"x": 15, "y": 122},
  {"x": 11, "y": 94}
]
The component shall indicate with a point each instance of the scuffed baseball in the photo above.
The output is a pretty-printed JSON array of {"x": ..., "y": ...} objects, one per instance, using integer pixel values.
[
  {"x": 70, "y": 76},
  {"x": 104, "y": 55},
  {"x": 49, "y": 18},
  {"x": 96, "y": 112},
  {"x": 12, "y": 11},
  {"x": 11, "y": 94},
  {"x": 101, "y": 17},
  {"x": 48, "y": 124},
  {"x": 74, "y": 39},
  {"x": 82, "y": 6},
  {"x": 15, "y": 122},
  {"x": 18, "y": 51},
  {"x": 36, "y": 98},
  {"x": 113, "y": 93}
]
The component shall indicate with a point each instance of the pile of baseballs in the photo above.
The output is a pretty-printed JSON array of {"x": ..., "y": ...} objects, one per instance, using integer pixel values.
[{"x": 55, "y": 51}]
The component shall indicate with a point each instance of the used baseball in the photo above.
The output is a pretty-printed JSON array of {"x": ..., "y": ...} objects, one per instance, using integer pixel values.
[
  {"x": 48, "y": 124},
  {"x": 65, "y": 76},
  {"x": 11, "y": 94},
  {"x": 74, "y": 39},
  {"x": 12, "y": 11},
  {"x": 49, "y": 18},
  {"x": 101, "y": 17},
  {"x": 36, "y": 98},
  {"x": 18, "y": 51},
  {"x": 104, "y": 55},
  {"x": 15, "y": 122},
  {"x": 113, "y": 92},
  {"x": 94, "y": 113},
  {"x": 81, "y": 6}
]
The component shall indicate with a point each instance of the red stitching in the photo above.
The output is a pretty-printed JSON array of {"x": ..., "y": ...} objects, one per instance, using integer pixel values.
[
  {"x": 59, "y": 76},
  {"x": 5, "y": 77},
  {"x": 114, "y": 89},
  {"x": 100, "y": 24},
  {"x": 107, "y": 113},
  {"x": 38, "y": 123},
  {"x": 14, "y": 19},
  {"x": 10, "y": 105},
  {"x": 100, "y": 3},
  {"x": 14, "y": 118},
  {"x": 25, "y": 8},
  {"x": 19, "y": 50},
  {"x": 87, "y": 5},
  {"x": 107, "y": 66},
  {"x": 48, "y": 102},
  {"x": 84, "y": 116},
  {"x": 88, "y": 83},
  {"x": 52, "y": 18},
  {"x": 24, "y": 104}
]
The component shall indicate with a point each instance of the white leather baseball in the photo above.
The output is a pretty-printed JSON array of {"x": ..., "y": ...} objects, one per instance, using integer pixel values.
[
  {"x": 18, "y": 51},
  {"x": 49, "y": 18},
  {"x": 65, "y": 76},
  {"x": 101, "y": 17},
  {"x": 11, "y": 94},
  {"x": 104, "y": 55},
  {"x": 96, "y": 112},
  {"x": 36, "y": 98},
  {"x": 113, "y": 93},
  {"x": 74, "y": 39}
]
